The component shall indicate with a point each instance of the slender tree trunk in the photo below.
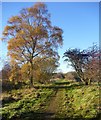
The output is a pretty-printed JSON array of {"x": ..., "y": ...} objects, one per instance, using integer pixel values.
[
  {"x": 83, "y": 81},
  {"x": 31, "y": 80},
  {"x": 86, "y": 82},
  {"x": 31, "y": 74},
  {"x": 90, "y": 81},
  {"x": 80, "y": 75}
]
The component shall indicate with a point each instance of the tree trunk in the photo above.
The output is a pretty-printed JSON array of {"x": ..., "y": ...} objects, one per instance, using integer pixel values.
[
  {"x": 82, "y": 80},
  {"x": 31, "y": 74},
  {"x": 31, "y": 80},
  {"x": 90, "y": 81},
  {"x": 86, "y": 83}
]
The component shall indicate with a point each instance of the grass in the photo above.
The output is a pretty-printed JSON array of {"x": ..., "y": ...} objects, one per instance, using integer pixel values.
[
  {"x": 28, "y": 101},
  {"x": 83, "y": 101},
  {"x": 71, "y": 101}
]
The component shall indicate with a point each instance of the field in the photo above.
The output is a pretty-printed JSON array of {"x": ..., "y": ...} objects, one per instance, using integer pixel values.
[{"x": 65, "y": 100}]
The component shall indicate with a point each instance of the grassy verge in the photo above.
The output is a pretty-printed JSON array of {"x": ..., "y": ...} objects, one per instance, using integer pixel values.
[
  {"x": 25, "y": 103},
  {"x": 65, "y": 99}
]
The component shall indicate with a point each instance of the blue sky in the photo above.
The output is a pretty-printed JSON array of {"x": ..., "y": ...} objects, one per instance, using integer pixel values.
[{"x": 79, "y": 21}]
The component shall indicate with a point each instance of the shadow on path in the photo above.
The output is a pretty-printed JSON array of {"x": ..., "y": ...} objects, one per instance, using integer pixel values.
[
  {"x": 45, "y": 116},
  {"x": 59, "y": 86}
]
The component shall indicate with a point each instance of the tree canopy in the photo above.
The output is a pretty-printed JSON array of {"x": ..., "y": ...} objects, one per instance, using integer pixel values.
[
  {"x": 31, "y": 34},
  {"x": 84, "y": 62}
]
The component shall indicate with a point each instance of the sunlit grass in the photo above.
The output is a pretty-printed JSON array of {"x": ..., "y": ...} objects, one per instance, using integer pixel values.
[{"x": 71, "y": 101}]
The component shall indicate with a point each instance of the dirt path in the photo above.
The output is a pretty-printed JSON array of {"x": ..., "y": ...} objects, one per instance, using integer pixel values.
[{"x": 53, "y": 105}]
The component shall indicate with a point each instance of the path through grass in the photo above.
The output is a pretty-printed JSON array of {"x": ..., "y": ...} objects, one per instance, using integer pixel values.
[{"x": 65, "y": 101}]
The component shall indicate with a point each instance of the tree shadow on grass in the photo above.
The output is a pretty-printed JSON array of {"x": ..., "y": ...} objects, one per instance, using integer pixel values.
[
  {"x": 62, "y": 83},
  {"x": 72, "y": 86},
  {"x": 8, "y": 86},
  {"x": 31, "y": 115}
]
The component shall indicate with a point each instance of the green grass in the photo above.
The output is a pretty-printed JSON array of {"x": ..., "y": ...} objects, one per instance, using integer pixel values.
[
  {"x": 29, "y": 101},
  {"x": 83, "y": 101},
  {"x": 72, "y": 100}
]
